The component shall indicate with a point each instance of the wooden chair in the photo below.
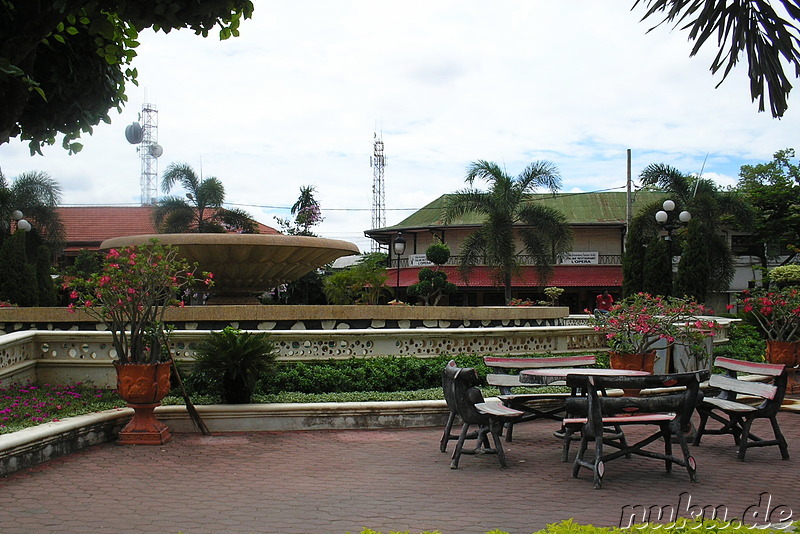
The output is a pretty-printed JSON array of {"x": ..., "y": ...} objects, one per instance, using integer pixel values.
[
  {"x": 671, "y": 413},
  {"x": 535, "y": 405},
  {"x": 459, "y": 384},
  {"x": 736, "y": 413}
]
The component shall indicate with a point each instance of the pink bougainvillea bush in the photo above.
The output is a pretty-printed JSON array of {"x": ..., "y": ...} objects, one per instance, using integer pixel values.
[
  {"x": 638, "y": 322},
  {"x": 130, "y": 293},
  {"x": 777, "y": 312}
]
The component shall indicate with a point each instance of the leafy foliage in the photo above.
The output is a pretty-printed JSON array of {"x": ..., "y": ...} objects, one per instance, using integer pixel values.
[
  {"x": 750, "y": 26},
  {"x": 234, "y": 361},
  {"x": 362, "y": 283},
  {"x": 544, "y": 231},
  {"x": 37, "y": 196},
  {"x": 45, "y": 289},
  {"x": 18, "y": 283},
  {"x": 777, "y": 312},
  {"x": 64, "y": 65},
  {"x": 744, "y": 343}
]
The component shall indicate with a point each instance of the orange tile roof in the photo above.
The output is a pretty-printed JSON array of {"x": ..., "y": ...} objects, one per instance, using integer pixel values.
[
  {"x": 481, "y": 276},
  {"x": 88, "y": 226}
]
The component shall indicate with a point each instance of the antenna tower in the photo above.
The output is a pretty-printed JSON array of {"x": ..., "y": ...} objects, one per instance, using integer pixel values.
[
  {"x": 149, "y": 151},
  {"x": 378, "y": 162}
]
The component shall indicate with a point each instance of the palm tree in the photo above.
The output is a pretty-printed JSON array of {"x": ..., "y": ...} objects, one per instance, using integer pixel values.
[
  {"x": 750, "y": 26},
  {"x": 306, "y": 210},
  {"x": 544, "y": 231},
  {"x": 203, "y": 213},
  {"x": 37, "y": 196},
  {"x": 711, "y": 208}
]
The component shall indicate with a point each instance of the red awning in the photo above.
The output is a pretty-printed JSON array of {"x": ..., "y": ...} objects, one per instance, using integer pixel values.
[{"x": 480, "y": 277}]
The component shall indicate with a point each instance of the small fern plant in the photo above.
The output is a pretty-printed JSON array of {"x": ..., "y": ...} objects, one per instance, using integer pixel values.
[{"x": 235, "y": 360}]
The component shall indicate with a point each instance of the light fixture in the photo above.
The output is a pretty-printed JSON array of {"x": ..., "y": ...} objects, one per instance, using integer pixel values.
[{"x": 399, "y": 245}]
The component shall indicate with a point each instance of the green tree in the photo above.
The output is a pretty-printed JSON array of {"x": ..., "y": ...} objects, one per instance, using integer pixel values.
[
  {"x": 203, "y": 213},
  {"x": 695, "y": 267},
  {"x": 306, "y": 211},
  {"x": 773, "y": 189},
  {"x": 713, "y": 208},
  {"x": 509, "y": 215},
  {"x": 433, "y": 284},
  {"x": 18, "y": 283},
  {"x": 37, "y": 196},
  {"x": 633, "y": 258},
  {"x": 362, "y": 283},
  {"x": 46, "y": 291},
  {"x": 750, "y": 26},
  {"x": 657, "y": 268},
  {"x": 65, "y": 64}
]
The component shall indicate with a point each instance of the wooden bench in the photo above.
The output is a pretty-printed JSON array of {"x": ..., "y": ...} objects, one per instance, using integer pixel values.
[
  {"x": 534, "y": 405},
  {"x": 742, "y": 400},
  {"x": 469, "y": 405},
  {"x": 671, "y": 413}
]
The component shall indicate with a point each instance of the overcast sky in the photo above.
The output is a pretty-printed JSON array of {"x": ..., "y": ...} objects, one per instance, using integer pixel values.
[{"x": 296, "y": 98}]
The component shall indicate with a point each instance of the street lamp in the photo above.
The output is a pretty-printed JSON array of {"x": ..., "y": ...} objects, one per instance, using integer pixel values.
[
  {"x": 399, "y": 248},
  {"x": 22, "y": 224},
  {"x": 666, "y": 218}
]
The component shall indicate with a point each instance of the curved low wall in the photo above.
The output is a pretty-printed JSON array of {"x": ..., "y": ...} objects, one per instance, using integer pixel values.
[{"x": 301, "y": 317}]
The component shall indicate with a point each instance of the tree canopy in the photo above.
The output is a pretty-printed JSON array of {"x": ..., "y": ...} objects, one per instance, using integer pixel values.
[
  {"x": 203, "y": 213},
  {"x": 543, "y": 231},
  {"x": 65, "y": 64},
  {"x": 752, "y": 27}
]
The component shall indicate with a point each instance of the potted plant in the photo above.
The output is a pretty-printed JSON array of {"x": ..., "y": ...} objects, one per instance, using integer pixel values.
[
  {"x": 777, "y": 312},
  {"x": 129, "y": 295},
  {"x": 636, "y": 324},
  {"x": 234, "y": 361}
]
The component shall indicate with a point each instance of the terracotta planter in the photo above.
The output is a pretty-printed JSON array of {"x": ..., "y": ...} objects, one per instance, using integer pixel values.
[
  {"x": 633, "y": 362},
  {"x": 785, "y": 352},
  {"x": 143, "y": 386}
]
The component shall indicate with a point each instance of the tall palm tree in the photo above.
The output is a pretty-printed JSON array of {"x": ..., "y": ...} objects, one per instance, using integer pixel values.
[
  {"x": 711, "y": 209},
  {"x": 37, "y": 196},
  {"x": 544, "y": 231},
  {"x": 203, "y": 213}
]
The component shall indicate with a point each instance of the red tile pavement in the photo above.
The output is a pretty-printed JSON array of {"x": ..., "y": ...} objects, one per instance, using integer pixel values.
[{"x": 345, "y": 481}]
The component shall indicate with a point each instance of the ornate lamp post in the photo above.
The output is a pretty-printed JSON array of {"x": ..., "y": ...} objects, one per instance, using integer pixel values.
[
  {"x": 21, "y": 223},
  {"x": 399, "y": 249},
  {"x": 668, "y": 221}
]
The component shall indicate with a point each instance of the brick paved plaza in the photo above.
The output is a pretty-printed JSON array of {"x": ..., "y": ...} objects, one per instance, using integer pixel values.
[{"x": 345, "y": 481}]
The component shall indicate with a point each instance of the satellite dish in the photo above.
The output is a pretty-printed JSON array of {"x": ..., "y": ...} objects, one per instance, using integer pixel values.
[
  {"x": 156, "y": 150},
  {"x": 134, "y": 133}
]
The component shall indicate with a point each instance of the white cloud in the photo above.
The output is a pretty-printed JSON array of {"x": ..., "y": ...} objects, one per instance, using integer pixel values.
[{"x": 295, "y": 99}]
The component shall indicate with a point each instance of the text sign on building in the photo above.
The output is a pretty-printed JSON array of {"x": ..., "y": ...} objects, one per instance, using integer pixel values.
[
  {"x": 419, "y": 260},
  {"x": 578, "y": 258}
]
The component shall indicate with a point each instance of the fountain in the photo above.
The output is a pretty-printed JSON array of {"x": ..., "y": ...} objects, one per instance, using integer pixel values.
[{"x": 245, "y": 265}]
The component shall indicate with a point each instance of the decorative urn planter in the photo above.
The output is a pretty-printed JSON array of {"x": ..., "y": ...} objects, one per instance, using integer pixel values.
[
  {"x": 633, "y": 362},
  {"x": 784, "y": 352},
  {"x": 142, "y": 386}
]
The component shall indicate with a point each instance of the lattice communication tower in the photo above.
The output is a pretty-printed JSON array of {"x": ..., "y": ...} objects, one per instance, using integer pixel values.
[
  {"x": 378, "y": 162},
  {"x": 146, "y": 136}
]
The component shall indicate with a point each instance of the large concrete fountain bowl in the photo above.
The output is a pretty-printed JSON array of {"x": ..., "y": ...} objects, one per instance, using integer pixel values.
[{"x": 247, "y": 264}]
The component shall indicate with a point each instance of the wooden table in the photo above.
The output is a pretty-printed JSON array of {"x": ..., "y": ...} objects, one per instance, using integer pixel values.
[{"x": 530, "y": 376}]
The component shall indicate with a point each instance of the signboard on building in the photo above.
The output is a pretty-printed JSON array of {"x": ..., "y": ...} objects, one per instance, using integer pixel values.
[
  {"x": 580, "y": 258},
  {"x": 418, "y": 260}
]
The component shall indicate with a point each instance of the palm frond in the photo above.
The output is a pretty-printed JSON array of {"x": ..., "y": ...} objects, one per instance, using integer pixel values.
[{"x": 181, "y": 173}]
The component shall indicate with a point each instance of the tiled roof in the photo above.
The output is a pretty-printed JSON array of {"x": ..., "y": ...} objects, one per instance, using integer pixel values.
[
  {"x": 481, "y": 276},
  {"x": 88, "y": 226}
]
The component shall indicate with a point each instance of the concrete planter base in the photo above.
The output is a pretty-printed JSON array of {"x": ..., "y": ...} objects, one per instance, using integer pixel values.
[{"x": 44, "y": 442}]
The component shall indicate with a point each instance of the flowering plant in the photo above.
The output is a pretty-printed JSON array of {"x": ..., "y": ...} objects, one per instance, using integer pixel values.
[
  {"x": 636, "y": 323},
  {"x": 130, "y": 294},
  {"x": 777, "y": 312}
]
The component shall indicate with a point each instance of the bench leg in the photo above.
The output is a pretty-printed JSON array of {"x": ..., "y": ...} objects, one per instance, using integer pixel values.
[
  {"x": 447, "y": 436},
  {"x": 496, "y": 428},
  {"x": 459, "y": 446},
  {"x": 779, "y": 436}
]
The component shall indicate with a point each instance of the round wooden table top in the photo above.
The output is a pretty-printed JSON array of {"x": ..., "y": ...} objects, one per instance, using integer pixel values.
[{"x": 564, "y": 371}]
